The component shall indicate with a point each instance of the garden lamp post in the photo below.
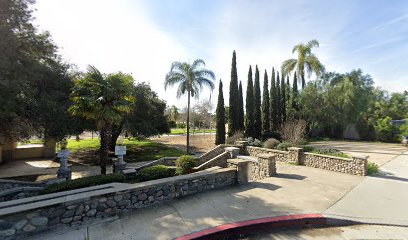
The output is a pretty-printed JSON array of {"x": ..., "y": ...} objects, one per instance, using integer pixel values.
[
  {"x": 64, "y": 172},
  {"x": 120, "y": 151}
]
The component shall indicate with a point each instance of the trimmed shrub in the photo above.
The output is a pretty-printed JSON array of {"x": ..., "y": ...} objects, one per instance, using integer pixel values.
[
  {"x": 235, "y": 137},
  {"x": 308, "y": 148},
  {"x": 83, "y": 182},
  {"x": 185, "y": 164},
  {"x": 271, "y": 143},
  {"x": 372, "y": 168},
  {"x": 284, "y": 146},
  {"x": 271, "y": 134},
  {"x": 155, "y": 172}
]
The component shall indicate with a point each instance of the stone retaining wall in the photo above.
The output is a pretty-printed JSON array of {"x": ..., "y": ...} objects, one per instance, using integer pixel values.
[
  {"x": 281, "y": 156},
  {"x": 355, "y": 166},
  {"x": 23, "y": 217},
  {"x": 219, "y": 160},
  {"x": 13, "y": 189}
]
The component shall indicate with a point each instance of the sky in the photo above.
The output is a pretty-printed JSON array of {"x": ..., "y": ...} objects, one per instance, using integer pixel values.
[{"x": 143, "y": 37}]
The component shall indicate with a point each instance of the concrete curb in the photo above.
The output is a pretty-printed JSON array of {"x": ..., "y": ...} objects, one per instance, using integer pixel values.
[{"x": 256, "y": 225}]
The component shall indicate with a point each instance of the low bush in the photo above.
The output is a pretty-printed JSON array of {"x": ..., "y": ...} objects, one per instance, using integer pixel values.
[
  {"x": 254, "y": 142},
  {"x": 271, "y": 134},
  {"x": 271, "y": 143},
  {"x": 235, "y": 137},
  {"x": 372, "y": 168},
  {"x": 284, "y": 146},
  {"x": 83, "y": 182},
  {"x": 155, "y": 172},
  {"x": 308, "y": 148},
  {"x": 185, "y": 164}
]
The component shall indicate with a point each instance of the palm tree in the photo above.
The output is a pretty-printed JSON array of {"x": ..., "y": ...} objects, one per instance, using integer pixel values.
[
  {"x": 306, "y": 61},
  {"x": 191, "y": 78},
  {"x": 106, "y": 99}
]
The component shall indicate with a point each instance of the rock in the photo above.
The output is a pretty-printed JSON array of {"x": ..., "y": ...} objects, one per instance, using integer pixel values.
[
  {"x": 142, "y": 197},
  {"x": 20, "y": 224},
  {"x": 28, "y": 228},
  {"x": 159, "y": 193},
  {"x": 39, "y": 221},
  {"x": 7, "y": 232},
  {"x": 68, "y": 214},
  {"x": 66, "y": 220},
  {"x": 33, "y": 214},
  {"x": 91, "y": 213},
  {"x": 151, "y": 199},
  {"x": 118, "y": 198},
  {"x": 55, "y": 213},
  {"x": 111, "y": 203},
  {"x": 80, "y": 209},
  {"x": 102, "y": 207},
  {"x": 76, "y": 218},
  {"x": 87, "y": 208},
  {"x": 102, "y": 200},
  {"x": 71, "y": 207},
  {"x": 53, "y": 221},
  {"x": 124, "y": 203}
]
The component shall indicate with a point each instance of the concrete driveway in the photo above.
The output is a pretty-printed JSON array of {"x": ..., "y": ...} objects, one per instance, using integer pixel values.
[
  {"x": 379, "y": 153},
  {"x": 382, "y": 198}
]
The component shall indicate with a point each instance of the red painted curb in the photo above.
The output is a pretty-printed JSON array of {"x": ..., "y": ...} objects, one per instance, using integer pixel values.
[{"x": 256, "y": 225}]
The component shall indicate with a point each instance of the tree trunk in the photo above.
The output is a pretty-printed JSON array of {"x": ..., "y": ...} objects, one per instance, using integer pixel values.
[
  {"x": 104, "y": 149},
  {"x": 116, "y": 131},
  {"x": 188, "y": 122},
  {"x": 303, "y": 80}
]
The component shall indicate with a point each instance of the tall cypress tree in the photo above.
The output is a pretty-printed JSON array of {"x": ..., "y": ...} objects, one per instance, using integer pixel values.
[
  {"x": 287, "y": 91},
  {"x": 233, "y": 124},
  {"x": 273, "y": 110},
  {"x": 241, "y": 108},
  {"x": 265, "y": 104},
  {"x": 257, "y": 109},
  {"x": 249, "y": 106},
  {"x": 294, "y": 97},
  {"x": 220, "y": 118},
  {"x": 283, "y": 99},
  {"x": 277, "y": 102}
]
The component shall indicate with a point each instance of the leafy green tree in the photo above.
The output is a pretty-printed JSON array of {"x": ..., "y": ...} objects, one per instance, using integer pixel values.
[
  {"x": 106, "y": 99},
  {"x": 249, "y": 106},
  {"x": 34, "y": 82},
  {"x": 190, "y": 79},
  {"x": 174, "y": 112},
  {"x": 220, "y": 118},
  {"x": 257, "y": 106},
  {"x": 234, "y": 112},
  {"x": 283, "y": 99},
  {"x": 273, "y": 103},
  {"x": 241, "y": 108},
  {"x": 265, "y": 104},
  {"x": 386, "y": 131},
  {"x": 306, "y": 61},
  {"x": 278, "y": 102}
]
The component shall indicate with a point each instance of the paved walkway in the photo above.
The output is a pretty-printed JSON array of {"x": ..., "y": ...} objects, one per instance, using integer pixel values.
[
  {"x": 378, "y": 199},
  {"x": 295, "y": 190}
]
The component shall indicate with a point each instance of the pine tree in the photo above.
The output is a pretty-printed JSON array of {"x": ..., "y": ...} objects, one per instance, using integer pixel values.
[
  {"x": 241, "y": 108},
  {"x": 294, "y": 97},
  {"x": 273, "y": 109},
  {"x": 233, "y": 124},
  {"x": 257, "y": 108},
  {"x": 220, "y": 118},
  {"x": 265, "y": 104},
  {"x": 277, "y": 102},
  {"x": 249, "y": 106},
  {"x": 283, "y": 99}
]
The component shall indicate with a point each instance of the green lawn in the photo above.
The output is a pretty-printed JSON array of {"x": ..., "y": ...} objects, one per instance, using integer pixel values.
[
  {"x": 176, "y": 131},
  {"x": 137, "y": 151}
]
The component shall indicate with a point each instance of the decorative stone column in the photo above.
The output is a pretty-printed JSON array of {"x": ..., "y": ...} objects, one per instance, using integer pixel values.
[
  {"x": 359, "y": 165},
  {"x": 49, "y": 148},
  {"x": 267, "y": 165},
  {"x": 295, "y": 155},
  {"x": 242, "y": 166},
  {"x": 234, "y": 151}
]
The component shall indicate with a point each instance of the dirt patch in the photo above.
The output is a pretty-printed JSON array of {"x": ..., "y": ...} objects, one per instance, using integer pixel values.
[{"x": 199, "y": 143}]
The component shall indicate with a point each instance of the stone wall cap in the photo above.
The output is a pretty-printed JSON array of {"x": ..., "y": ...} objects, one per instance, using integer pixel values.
[
  {"x": 264, "y": 155},
  {"x": 231, "y": 148},
  {"x": 238, "y": 161},
  {"x": 248, "y": 158},
  {"x": 328, "y": 156},
  {"x": 267, "y": 149},
  {"x": 294, "y": 148},
  {"x": 363, "y": 157}
]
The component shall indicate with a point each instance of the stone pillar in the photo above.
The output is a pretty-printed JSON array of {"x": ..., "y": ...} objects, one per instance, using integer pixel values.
[
  {"x": 234, "y": 151},
  {"x": 295, "y": 155},
  {"x": 242, "y": 166},
  {"x": 8, "y": 149},
  {"x": 267, "y": 165},
  {"x": 360, "y": 165},
  {"x": 50, "y": 148}
]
